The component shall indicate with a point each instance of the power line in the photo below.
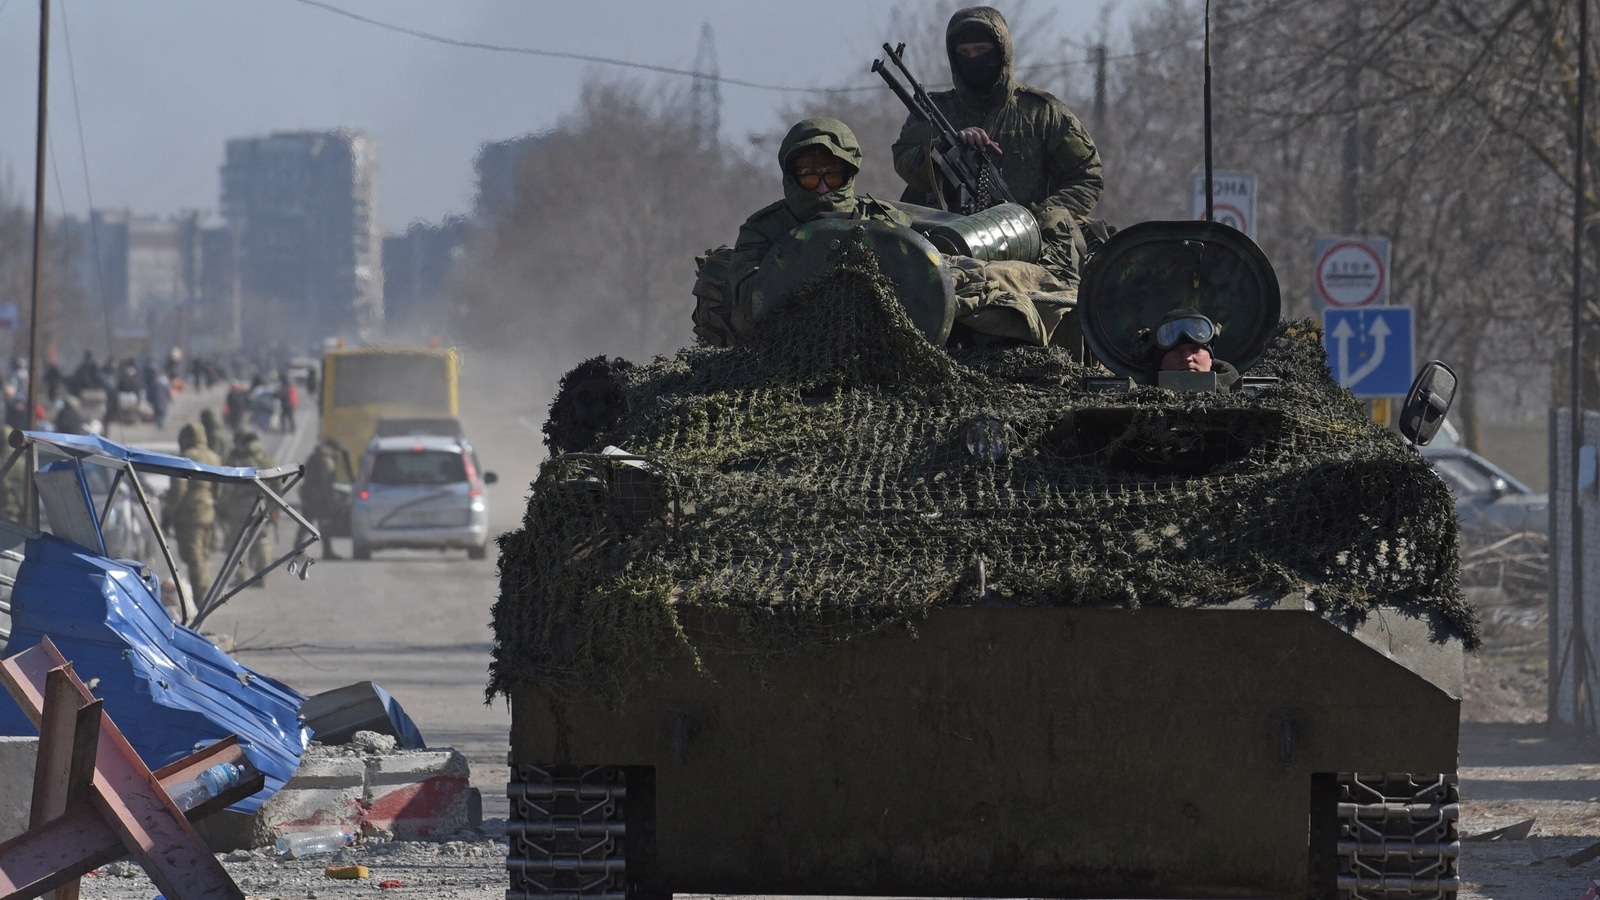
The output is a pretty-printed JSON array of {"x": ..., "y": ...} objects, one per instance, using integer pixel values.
[
  {"x": 555, "y": 54},
  {"x": 88, "y": 191},
  {"x": 669, "y": 70}
]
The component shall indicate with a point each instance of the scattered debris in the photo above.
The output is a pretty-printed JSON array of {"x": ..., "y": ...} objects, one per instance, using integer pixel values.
[
  {"x": 95, "y": 800},
  {"x": 336, "y": 716},
  {"x": 167, "y": 686},
  {"x": 373, "y": 742},
  {"x": 348, "y": 873},
  {"x": 1518, "y": 831},
  {"x": 1584, "y": 855}
]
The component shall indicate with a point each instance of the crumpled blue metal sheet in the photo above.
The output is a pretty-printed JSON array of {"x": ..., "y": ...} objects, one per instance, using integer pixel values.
[
  {"x": 169, "y": 689},
  {"x": 104, "y": 451}
]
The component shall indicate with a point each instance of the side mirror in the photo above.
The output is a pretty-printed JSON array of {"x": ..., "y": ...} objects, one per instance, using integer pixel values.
[
  {"x": 1427, "y": 403},
  {"x": 490, "y": 478},
  {"x": 1498, "y": 487}
]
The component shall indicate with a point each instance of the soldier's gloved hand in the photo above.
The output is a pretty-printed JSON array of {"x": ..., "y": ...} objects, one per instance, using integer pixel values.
[{"x": 978, "y": 139}]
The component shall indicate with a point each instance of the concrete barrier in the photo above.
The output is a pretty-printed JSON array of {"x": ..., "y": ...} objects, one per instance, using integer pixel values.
[
  {"x": 325, "y": 791},
  {"x": 17, "y": 755},
  {"x": 404, "y": 794}
]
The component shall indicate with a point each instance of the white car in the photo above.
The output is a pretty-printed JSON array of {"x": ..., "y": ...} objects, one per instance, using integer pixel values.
[{"x": 420, "y": 491}]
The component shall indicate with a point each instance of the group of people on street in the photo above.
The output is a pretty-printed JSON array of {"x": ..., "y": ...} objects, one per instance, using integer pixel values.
[
  {"x": 268, "y": 402},
  {"x": 1044, "y": 154}
]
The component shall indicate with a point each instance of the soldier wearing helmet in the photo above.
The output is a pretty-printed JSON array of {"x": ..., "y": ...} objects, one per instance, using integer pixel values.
[
  {"x": 1182, "y": 342},
  {"x": 1006, "y": 301}
]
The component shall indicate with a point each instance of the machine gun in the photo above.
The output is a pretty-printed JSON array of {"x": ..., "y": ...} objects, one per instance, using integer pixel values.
[{"x": 967, "y": 180}]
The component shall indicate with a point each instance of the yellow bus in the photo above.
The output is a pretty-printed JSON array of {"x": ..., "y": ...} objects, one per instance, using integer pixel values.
[{"x": 361, "y": 385}]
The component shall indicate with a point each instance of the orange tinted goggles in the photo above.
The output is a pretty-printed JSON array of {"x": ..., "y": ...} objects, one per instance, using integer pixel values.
[{"x": 810, "y": 180}]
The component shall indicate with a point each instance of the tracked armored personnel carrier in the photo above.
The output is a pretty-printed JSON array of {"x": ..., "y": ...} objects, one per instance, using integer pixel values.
[{"x": 843, "y": 611}]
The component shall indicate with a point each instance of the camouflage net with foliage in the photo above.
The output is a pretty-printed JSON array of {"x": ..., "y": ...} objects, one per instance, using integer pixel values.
[{"x": 840, "y": 476}]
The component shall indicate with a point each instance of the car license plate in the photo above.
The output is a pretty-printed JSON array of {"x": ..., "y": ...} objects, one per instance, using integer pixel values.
[{"x": 428, "y": 518}]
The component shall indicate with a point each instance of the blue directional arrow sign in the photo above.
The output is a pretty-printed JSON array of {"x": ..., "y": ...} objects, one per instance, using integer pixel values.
[{"x": 1370, "y": 349}]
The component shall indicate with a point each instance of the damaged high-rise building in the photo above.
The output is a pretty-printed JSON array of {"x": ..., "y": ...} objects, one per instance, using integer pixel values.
[{"x": 303, "y": 206}]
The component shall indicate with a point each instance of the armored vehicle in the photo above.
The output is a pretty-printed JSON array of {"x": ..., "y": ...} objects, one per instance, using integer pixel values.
[{"x": 840, "y": 610}]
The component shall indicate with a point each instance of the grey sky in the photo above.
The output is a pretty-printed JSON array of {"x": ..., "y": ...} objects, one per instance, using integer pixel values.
[{"x": 164, "y": 83}]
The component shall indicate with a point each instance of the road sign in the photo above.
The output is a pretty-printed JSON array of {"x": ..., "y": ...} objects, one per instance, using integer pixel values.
[
  {"x": 1233, "y": 199},
  {"x": 1349, "y": 273},
  {"x": 8, "y": 317},
  {"x": 1370, "y": 350}
]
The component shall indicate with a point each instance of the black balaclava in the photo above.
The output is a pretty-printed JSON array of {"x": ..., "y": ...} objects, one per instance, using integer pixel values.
[
  {"x": 988, "y": 81},
  {"x": 981, "y": 72}
]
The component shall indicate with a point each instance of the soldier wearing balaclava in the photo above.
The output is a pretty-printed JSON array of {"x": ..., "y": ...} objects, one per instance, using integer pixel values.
[{"x": 1043, "y": 152}]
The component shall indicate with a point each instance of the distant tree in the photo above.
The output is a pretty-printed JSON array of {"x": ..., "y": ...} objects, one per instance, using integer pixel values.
[
  {"x": 1443, "y": 126},
  {"x": 596, "y": 253},
  {"x": 64, "y": 316}
]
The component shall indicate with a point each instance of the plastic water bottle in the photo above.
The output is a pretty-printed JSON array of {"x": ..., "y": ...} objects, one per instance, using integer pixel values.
[
  {"x": 306, "y": 843},
  {"x": 211, "y": 782}
]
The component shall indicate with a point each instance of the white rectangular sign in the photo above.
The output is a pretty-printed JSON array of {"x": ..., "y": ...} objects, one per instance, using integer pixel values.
[{"x": 1233, "y": 199}]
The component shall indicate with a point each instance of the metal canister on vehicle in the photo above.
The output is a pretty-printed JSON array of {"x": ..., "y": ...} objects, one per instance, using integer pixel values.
[{"x": 1007, "y": 231}]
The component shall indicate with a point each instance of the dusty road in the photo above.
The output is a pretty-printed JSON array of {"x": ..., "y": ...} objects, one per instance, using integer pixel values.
[{"x": 418, "y": 623}]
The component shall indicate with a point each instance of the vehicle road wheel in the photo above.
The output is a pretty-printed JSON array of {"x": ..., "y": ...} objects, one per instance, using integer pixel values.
[
  {"x": 479, "y": 552},
  {"x": 360, "y": 551}
]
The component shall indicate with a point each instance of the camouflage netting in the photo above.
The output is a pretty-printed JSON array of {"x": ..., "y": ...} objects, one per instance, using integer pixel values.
[{"x": 842, "y": 476}]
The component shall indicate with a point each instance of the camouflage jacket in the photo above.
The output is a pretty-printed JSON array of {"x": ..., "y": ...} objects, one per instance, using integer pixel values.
[
  {"x": 1047, "y": 158},
  {"x": 190, "y": 499},
  {"x": 798, "y": 206}
]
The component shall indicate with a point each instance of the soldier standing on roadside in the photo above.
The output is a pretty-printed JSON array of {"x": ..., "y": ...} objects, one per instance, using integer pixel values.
[
  {"x": 192, "y": 504},
  {"x": 235, "y": 502},
  {"x": 316, "y": 490},
  {"x": 213, "y": 433}
]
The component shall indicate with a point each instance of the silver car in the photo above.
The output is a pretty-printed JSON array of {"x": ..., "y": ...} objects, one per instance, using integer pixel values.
[
  {"x": 420, "y": 491},
  {"x": 1489, "y": 502}
]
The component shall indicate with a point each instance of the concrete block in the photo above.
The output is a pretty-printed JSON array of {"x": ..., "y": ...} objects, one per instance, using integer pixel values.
[
  {"x": 17, "y": 755},
  {"x": 325, "y": 791},
  {"x": 418, "y": 794},
  {"x": 410, "y": 794}
]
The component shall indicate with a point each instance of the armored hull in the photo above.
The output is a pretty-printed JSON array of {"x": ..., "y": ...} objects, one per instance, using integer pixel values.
[
  {"x": 1009, "y": 752},
  {"x": 845, "y": 614}
]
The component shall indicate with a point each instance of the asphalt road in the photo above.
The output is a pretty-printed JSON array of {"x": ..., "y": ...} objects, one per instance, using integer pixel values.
[{"x": 414, "y": 622}]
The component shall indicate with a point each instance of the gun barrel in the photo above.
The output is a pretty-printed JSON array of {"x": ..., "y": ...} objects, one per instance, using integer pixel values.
[
  {"x": 895, "y": 85},
  {"x": 963, "y": 167}
]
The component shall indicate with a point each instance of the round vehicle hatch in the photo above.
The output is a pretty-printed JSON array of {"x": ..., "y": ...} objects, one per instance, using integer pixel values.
[
  {"x": 1152, "y": 268},
  {"x": 921, "y": 281}
]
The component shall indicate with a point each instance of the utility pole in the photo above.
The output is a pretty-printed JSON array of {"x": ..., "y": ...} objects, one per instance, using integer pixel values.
[
  {"x": 30, "y": 505},
  {"x": 1578, "y": 656},
  {"x": 1099, "y": 88},
  {"x": 1350, "y": 182},
  {"x": 705, "y": 95}
]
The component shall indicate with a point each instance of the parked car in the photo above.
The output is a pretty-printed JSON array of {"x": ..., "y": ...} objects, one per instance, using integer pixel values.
[
  {"x": 420, "y": 491},
  {"x": 1490, "y": 502}
]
